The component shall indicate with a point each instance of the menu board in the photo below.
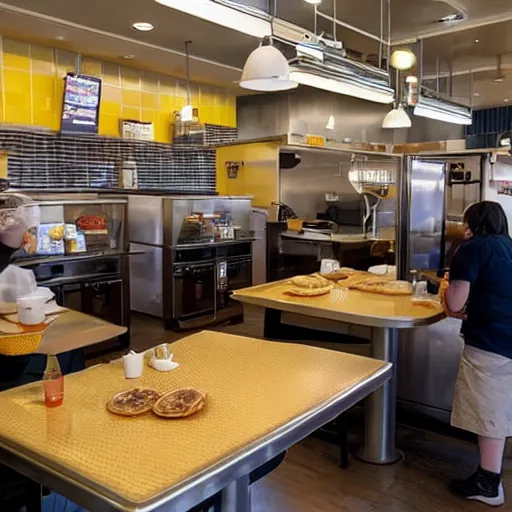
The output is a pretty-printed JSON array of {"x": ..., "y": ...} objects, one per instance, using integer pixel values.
[{"x": 81, "y": 104}]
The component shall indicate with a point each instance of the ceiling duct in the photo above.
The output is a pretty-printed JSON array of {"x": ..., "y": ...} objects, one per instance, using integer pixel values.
[
  {"x": 315, "y": 64},
  {"x": 431, "y": 105},
  {"x": 442, "y": 110}
]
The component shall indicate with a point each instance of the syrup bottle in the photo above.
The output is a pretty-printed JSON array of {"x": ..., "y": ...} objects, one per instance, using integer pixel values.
[{"x": 53, "y": 383}]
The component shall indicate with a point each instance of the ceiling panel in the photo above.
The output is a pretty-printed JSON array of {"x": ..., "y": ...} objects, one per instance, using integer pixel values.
[{"x": 172, "y": 28}]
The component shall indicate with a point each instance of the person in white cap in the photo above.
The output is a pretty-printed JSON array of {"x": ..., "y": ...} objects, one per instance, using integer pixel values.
[{"x": 14, "y": 281}]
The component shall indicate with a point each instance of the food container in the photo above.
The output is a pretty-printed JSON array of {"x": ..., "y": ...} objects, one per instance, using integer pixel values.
[{"x": 20, "y": 344}]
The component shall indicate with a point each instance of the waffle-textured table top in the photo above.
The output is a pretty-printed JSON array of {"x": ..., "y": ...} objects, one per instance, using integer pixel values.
[
  {"x": 255, "y": 388},
  {"x": 73, "y": 330},
  {"x": 349, "y": 306}
]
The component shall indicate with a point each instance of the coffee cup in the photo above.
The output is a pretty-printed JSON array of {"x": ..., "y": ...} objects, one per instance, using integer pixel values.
[
  {"x": 133, "y": 365},
  {"x": 31, "y": 310}
]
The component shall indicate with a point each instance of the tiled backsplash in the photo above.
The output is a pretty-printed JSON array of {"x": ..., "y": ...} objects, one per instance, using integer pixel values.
[
  {"x": 32, "y": 83},
  {"x": 48, "y": 160}
]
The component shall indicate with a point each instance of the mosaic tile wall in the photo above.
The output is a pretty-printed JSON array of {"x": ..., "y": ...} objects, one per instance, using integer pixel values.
[{"x": 48, "y": 160}]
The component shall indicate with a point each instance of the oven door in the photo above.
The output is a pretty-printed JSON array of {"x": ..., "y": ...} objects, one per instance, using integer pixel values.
[
  {"x": 195, "y": 290},
  {"x": 239, "y": 274}
]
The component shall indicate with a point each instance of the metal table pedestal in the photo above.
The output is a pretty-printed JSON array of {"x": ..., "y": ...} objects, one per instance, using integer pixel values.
[
  {"x": 236, "y": 497},
  {"x": 380, "y": 412}
]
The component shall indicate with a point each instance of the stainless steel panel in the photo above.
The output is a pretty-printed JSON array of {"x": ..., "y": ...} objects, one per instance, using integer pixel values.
[
  {"x": 259, "y": 219},
  {"x": 307, "y": 110},
  {"x": 145, "y": 219},
  {"x": 428, "y": 364},
  {"x": 146, "y": 280},
  {"x": 426, "y": 212}
]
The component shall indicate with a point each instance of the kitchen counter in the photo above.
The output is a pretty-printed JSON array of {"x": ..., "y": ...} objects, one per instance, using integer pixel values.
[{"x": 338, "y": 238}]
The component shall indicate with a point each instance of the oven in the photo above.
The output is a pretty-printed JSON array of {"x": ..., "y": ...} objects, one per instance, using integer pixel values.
[
  {"x": 239, "y": 273},
  {"x": 194, "y": 283},
  {"x": 202, "y": 281}
]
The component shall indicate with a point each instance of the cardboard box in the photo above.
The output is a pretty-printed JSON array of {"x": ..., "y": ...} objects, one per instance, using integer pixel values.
[{"x": 425, "y": 147}]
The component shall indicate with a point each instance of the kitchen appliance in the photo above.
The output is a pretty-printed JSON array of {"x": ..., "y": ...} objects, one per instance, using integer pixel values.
[
  {"x": 188, "y": 271},
  {"x": 194, "y": 284},
  {"x": 94, "y": 281},
  {"x": 438, "y": 191},
  {"x": 284, "y": 212}
]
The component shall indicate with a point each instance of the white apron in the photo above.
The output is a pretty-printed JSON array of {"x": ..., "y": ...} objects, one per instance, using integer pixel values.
[{"x": 483, "y": 394}]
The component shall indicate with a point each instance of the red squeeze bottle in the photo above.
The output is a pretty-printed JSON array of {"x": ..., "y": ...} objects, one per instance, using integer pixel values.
[{"x": 53, "y": 383}]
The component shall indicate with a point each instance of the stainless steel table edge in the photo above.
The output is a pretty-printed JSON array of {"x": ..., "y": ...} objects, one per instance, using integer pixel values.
[
  {"x": 198, "y": 487},
  {"x": 338, "y": 316}
]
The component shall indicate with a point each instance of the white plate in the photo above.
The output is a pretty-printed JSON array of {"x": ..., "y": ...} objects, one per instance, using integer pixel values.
[{"x": 383, "y": 270}]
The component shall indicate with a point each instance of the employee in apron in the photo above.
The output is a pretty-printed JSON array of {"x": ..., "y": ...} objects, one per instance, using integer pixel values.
[{"x": 480, "y": 292}]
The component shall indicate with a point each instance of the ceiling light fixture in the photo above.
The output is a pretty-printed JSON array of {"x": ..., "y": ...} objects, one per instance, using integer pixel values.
[
  {"x": 477, "y": 41},
  {"x": 128, "y": 57},
  {"x": 452, "y": 17},
  {"x": 477, "y": 94},
  {"x": 397, "y": 118},
  {"x": 143, "y": 26},
  {"x": 506, "y": 100},
  {"x": 314, "y": 2},
  {"x": 341, "y": 86},
  {"x": 441, "y": 110},
  {"x": 403, "y": 60},
  {"x": 222, "y": 15},
  {"x": 267, "y": 70},
  {"x": 500, "y": 77}
]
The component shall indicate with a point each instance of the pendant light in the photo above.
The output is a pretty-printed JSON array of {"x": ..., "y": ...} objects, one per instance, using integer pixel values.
[
  {"x": 267, "y": 70},
  {"x": 397, "y": 118},
  {"x": 186, "y": 114}
]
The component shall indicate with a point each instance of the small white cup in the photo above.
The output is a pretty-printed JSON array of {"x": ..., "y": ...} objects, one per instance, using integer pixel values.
[
  {"x": 133, "y": 365},
  {"x": 31, "y": 310}
]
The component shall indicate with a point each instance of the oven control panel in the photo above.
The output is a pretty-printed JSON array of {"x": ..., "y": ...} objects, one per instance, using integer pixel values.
[{"x": 222, "y": 276}]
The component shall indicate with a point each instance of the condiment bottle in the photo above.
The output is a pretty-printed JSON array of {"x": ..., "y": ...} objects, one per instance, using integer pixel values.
[
  {"x": 53, "y": 383},
  {"x": 414, "y": 279}
]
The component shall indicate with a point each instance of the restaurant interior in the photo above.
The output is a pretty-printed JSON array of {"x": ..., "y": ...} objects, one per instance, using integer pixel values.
[{"x": 225, "y": 226}]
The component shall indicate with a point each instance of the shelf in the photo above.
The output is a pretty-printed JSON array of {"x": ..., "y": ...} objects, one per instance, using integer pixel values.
[
  {"x": 33, "y": 262},
  {"x": 471, "y": 182}
]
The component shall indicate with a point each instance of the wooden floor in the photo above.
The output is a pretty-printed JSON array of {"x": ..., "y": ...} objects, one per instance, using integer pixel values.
[{"x": 310, "y": 480}]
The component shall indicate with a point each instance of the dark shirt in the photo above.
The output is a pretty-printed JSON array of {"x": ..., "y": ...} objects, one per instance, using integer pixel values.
[{"x": 486, "y": 263}]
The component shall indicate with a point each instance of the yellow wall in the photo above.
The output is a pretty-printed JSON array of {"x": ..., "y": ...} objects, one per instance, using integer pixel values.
[
  {"x": 259, "y": 177},
  {"x": 31, "y": 82}
]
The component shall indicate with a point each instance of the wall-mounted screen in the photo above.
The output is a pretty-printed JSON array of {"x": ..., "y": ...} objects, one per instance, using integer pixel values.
[{"x": 81, "y": 104}]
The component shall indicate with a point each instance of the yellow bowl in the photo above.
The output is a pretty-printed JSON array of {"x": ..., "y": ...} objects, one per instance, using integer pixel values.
[{"x": 20, "y": 344}]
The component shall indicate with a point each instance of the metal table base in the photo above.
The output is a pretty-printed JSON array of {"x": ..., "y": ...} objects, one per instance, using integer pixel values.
[
  {"x": 236, "y": 497},
  {"x": 380, "y": 411}
]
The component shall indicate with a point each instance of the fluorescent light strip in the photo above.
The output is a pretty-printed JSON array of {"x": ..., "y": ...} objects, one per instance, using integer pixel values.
[
  {"x": 341, "y": 87},
  {"x": 442, "y": 115},
  {"x": 222, "y": 15}
]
